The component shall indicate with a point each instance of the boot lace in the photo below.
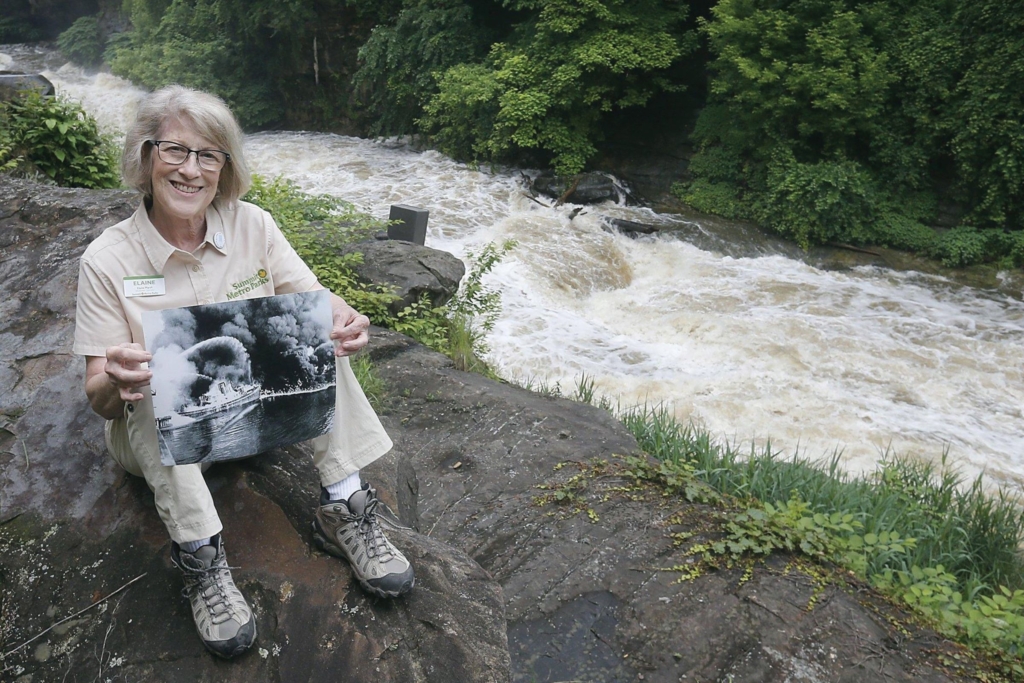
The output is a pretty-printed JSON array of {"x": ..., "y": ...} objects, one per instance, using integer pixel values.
[
  {"x": 369, "y": 528},
  {"x": 212, "y": 584}
]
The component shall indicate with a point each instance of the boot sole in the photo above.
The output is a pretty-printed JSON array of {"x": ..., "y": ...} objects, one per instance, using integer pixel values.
[{"x": 320, "y": 538}]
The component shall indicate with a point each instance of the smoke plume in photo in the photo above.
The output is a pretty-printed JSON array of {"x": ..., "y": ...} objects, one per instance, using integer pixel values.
[{"x": 280, "y": 343}]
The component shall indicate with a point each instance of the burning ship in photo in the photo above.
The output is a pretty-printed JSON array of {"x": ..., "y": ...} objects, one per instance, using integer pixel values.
[{"x": 221, "y": 398}]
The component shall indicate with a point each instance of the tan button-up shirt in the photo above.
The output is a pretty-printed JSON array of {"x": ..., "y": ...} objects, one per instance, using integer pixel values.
[{"x": 244, "y": 256}]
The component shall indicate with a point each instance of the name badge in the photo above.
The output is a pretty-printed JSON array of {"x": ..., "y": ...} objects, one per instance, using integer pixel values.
[{"x": 145, "y": 285}]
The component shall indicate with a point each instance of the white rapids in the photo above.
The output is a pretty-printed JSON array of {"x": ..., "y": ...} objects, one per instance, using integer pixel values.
[{"x": 752, "y": 348}]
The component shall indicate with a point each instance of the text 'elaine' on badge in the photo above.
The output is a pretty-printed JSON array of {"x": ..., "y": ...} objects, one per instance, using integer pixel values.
[{"x": 144, "y": 285}]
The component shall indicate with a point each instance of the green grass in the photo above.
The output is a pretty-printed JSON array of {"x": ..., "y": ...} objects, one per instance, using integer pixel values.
[
  {"x": 372, "y": 384},
  {"x": 974, "y": 535}
]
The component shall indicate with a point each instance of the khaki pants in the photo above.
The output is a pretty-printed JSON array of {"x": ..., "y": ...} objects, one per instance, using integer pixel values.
[{"x": 182, "y": 498}]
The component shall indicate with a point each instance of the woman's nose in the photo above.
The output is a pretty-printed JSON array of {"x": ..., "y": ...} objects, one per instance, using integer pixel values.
[{"x": 191, "y": 164}]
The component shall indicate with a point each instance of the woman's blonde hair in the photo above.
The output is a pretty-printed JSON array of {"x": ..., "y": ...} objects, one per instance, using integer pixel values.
[{"x": 207, "y": 116}]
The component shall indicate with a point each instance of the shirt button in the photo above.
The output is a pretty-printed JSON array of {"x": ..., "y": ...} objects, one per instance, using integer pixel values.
[{"x": 195, "y": 269}]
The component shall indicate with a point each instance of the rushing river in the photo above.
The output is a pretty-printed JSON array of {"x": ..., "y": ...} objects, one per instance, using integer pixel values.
[{"x": 750, "y": 343}]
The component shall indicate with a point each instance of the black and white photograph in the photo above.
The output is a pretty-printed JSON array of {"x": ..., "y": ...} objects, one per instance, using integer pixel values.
[{"x": 239, "y": 378}]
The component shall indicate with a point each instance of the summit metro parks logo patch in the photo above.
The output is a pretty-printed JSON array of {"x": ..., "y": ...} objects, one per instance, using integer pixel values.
[{"x": 254, "y": 281}]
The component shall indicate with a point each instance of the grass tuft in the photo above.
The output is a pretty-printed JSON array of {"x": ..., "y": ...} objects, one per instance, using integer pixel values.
[{"x": 974, "y": 535}]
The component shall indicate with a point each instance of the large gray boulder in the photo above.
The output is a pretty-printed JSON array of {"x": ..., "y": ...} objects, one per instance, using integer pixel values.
[
  {"x": 410, "y": 270},
  {"x": 591, "y": 597},
  {"x": 13, "y": 84}
]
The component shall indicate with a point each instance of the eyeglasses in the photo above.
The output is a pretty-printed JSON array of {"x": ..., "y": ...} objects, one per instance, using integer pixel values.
[{"x": 175, "y": 154}]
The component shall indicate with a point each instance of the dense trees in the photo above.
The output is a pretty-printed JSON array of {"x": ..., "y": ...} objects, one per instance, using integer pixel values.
[
  {"x": 825, "y": 120},
  {"x": 487, "y": 80},
  {"x": 841, "y": 120},
  {"x": 272, "y": 60},
  {"x": 548, "y": 84}
]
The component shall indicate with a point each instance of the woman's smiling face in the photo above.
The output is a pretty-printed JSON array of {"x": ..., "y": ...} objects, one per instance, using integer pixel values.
[{"x": 182, "y": 192}]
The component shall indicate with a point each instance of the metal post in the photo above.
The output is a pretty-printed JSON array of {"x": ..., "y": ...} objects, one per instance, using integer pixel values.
[{"x": 412, "y": 225}]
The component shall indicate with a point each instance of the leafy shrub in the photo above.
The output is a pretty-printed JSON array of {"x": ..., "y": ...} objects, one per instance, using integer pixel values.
[
  {"x": 83, "y": 42},
  {"x": 400, "y": 60},
  {"x": 57, "y": 137},
  {"x": 317, "y": 225},
  {"x": 720, "y": 199},
  {"x": 821, "y": 202},
  {"x": 962, "y": 246},
  {"x": 899, "y": 231},
  {"x": 462, "y": 114},
  {"x": 457, "y": 329},
  {"x": 8, "y": 158},
  {"x": 1015, "y": 242}
]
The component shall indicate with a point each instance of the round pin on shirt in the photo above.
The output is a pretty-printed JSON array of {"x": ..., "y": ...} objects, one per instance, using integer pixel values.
[{"x": 218, "y": 240}]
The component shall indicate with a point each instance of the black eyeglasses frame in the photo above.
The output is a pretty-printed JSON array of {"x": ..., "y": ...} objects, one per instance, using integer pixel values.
[{"x": 157, "y": 143}]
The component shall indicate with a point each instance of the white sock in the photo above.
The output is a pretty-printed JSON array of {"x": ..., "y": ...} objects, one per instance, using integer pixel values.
[
  {"x": 191, "y": 547},
  {"x": 341, "y": 490}
]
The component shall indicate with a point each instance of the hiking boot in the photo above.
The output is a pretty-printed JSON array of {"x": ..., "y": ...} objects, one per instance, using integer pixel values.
[
  {"x": 222, "y": 616},
  {"x": 350, "y": 529}
]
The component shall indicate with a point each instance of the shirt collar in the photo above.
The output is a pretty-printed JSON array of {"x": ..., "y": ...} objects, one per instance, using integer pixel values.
[{"x": 159, "y": 250}]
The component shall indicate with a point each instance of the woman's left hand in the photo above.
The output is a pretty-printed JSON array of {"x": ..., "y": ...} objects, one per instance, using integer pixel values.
[{"x": 350, "y": 328}]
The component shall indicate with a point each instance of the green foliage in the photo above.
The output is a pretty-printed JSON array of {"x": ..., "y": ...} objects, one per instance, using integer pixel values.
[
  {"x": 947, "y": 550},
  {"x": 791, "y": 526},
  {"x": 8, "y": 157},
  {"x": 16, "y": 25},
  {"x": 824, "y": 115},
  {"x": 988, "y": 131},
  {"x": 827, "y": 201},
  {"x": 400, "y": 59},
  {"x": 317, "y": 226},
  {"x": 83, "y": 42},
  {"x": 55, "y": 136},
  {"x": 200, "y": 44},
  {"x": 962, "y": 246},
  {"x": 371, "y": 383},
  {"x": 267, "y": 58},
  {"x": 546, "y": 87},
  {"x": 461, "y": 115},
  {"x": 973, "y": 534},
  {"x": 894, "y": 228},
  {"x": 458, "y": 328},
  {"x": 992, "y": 622},
  {"x": 718, "y": 198}
]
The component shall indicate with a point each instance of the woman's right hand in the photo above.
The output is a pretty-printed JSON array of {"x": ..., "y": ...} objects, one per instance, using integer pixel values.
[
  {"x": 125, "y": 372},
  {"x": 113, "y": 379}
]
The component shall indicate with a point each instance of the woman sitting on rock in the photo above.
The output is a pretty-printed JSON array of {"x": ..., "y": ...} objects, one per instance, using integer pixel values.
[{"x": 184, "y": 154}]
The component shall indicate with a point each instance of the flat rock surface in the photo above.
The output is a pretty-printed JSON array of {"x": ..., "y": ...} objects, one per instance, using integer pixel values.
[
  {"x": 510, "y": 585},
  {"x": 591, "y": 597}
]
